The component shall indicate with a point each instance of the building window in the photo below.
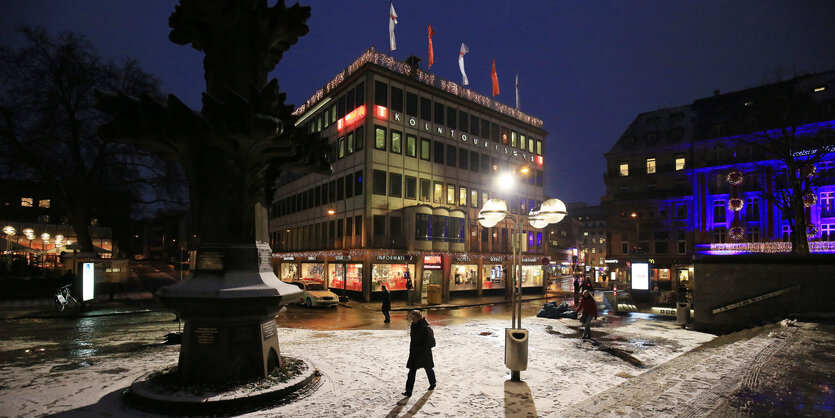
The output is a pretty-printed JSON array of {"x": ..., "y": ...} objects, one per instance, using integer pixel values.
[
  {"x": 456, "y": 229},
  {"x": 463, "y": 121},
  {"x": 719, "y": 211},
  {"x": 381, "y": 94},
  {"x": 752, "y": 211},
  {"x": 463, "y": 159},
  {"x": 786, "y": 233},
  {"x": 624, "y": 247},
  {"x": 827, "y": 204},
  {"x": 439, "y": 114},
  {"x": 396, "y": 144},
  {"x": 395, "y": 226},
  {"x": 27, "y": 202},
  {"x": 411, "y": 187},
  {"x": 451, "y": 118},
  {"x": 523, "y": 140},
  {"x": 380, "y": 138},
  {"x": 411, "y": 146},
  {"x": 439, "y": 152},
  {"x": 43, "y": 203},
  {"x": 438, "y": 196},
  {"x": 681, "y": 211},
  {"x": 379, "y": 225},
  {"x": 828, "y": 232},
  {"x": 538, "y": 147},
  {"x": 359, "y": 139},
  {"x": 474, "y": 198},
  {"x": 340, "y": 189},
  {"x": 425, "y": 190},
  {"x": 753, "y": 234},
  {"x": 349, "y": 144},
  {"x": 395, "y": 185},
  {"x": 624, "y": 169},
  {"x": 682, "y": 242},
  {"x": 474, "y": 161},
  {"x": 425, "y": 109},
  {"x": 379, "y": 182},
  {"x": 396, "y": 99},
  {"x": 341, "y": 148},
  {"x": 424, "y": 149},
  {"x": 422, "y": 223},
  {"x": 450, "y": 194},
  {"x": 650, "y": 165},
  {"x": 680, "y": 163},
  {"x": 451, "y": 155},
  {"x": 462, "y": 196},
  {"x": 411, "y": 104},
  {"x": 719, "y": 234},
  {"x": 358, "y": 183},
  {"x": 440, "y": 228},
  {"x": 661, "y": 242}
]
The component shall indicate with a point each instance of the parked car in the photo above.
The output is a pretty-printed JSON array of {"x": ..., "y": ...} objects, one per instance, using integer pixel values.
[{"x": 314, "y": 293}]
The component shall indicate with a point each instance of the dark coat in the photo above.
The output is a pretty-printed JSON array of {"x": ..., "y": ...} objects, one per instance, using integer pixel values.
[
  {"x": 386, "y": 301},
  {"x": 588, "y": 306},
  {"x": 420, "y": 353},
  {"x": 586, "y": 286}
]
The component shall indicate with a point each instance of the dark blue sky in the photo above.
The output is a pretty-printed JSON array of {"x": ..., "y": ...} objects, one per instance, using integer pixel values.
[{"x": 585, "y": 68}]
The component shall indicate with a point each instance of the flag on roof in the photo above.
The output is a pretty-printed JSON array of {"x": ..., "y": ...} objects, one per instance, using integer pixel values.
[
  {"x": 463, "y": 51},
  {"x": 431, "y": 52},
  {"x": 392, "y": 22},
  {"x": 495, "y": 77}
]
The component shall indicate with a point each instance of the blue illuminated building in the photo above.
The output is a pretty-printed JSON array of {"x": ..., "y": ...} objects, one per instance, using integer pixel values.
[{"x": 668, "y": 197}]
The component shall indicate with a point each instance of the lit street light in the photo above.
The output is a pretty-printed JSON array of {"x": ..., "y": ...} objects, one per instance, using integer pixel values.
[{"x": 493, "y": 212}]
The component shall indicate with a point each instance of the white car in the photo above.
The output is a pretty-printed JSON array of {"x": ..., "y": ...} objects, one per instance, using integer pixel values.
[{"x": 315, "y": 293}]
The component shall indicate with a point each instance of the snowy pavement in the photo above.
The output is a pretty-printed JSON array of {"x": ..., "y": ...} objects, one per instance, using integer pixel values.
[{"x": 364, "y": 371}]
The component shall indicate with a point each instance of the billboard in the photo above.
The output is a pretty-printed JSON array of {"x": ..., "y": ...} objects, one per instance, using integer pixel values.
[
  {"x": 640, "y": 276},
  {"x": 87, "y": 281}
]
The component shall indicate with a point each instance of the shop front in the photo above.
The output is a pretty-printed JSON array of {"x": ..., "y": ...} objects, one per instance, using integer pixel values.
[
  {"x": 433, "y": 275},
  {"x": 463, "y": 274},
  {"x": 312, "y": 269},
  {"x": 532, "y": 275},
  {"x": 493, "y": 275},
  {"x": 288, "y": 269},
  {"x": 345, "y": 276}
]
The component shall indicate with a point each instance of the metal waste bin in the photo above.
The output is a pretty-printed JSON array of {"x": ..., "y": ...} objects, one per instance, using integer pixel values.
[
  {"x": 516, "y": 349},
  {"x": 433, "y": 294},
  {"x": 683, "y": 313}
]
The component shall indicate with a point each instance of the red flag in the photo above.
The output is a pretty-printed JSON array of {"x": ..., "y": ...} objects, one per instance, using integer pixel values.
[
  {"x": 431, "y": 52},
  {"x": 495, "y": 80}
]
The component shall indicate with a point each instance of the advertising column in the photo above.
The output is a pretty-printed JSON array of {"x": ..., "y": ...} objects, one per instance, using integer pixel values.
[{"x": 432, "y": 279}]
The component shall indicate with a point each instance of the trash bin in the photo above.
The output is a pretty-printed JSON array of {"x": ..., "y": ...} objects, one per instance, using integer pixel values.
[
  {"x": 433, "y": 294},
  {"x": 683, "y": 313},
  {"x": 516, "y": 349}
]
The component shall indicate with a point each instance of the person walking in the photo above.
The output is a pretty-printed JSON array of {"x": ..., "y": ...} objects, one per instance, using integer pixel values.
[
  {"x": 422, "y": 339},
  {"x": 586, "y": 285},
  {"x": 589, "y": 308},
  {"x": 576, "y": 290},
  {"x": 409, "y": 287},
  {"x": 386, "y": 303}
]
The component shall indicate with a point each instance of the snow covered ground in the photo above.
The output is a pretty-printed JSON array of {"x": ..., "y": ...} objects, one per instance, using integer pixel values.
[{"x": 364, "y": 371}]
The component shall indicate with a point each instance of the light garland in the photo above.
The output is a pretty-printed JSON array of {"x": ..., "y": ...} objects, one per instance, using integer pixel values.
[
  {"x": 811, "y": 230},
  {"x": 358, "y": 253},
  {"x": 735, "y": 178},
  {"x": 778, "y": 247},
  {"x": 735, "y": 204},
  {"x": 809, "y": 199},
  {"x": 388, "y": 62}
]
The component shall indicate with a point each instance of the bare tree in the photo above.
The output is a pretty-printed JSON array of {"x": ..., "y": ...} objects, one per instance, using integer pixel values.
[
  {"x": 49, "y": 122},
  {"x": 796, "y": 137}
]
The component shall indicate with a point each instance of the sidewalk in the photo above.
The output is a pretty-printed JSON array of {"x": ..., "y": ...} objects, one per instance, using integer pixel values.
[
  {"x": 122, "y": 303},
  {"x": 458, "y": 302}
]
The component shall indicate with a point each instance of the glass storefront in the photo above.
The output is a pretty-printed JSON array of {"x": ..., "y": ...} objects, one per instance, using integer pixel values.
[
  {"x": 493, "y": 276},
  {"x": 352, "y": 275},
  {"x": 393, "y": 276},
  {"x": 313, "y": 271},
  {"x": 464, "y": 277},
  {"x": 531, "y": 276},
  {"x": 289, "y": 272}
]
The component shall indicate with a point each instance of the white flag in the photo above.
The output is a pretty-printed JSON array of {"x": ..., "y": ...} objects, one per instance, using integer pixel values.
[
  {"x": 464, "y": 50},
  {"x": 517, "y": 91},
  {"x": 392, "y": 22}
]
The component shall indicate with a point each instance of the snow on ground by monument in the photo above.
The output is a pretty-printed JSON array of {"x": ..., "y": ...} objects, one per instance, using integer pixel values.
[{"x": 364, "y": 371}]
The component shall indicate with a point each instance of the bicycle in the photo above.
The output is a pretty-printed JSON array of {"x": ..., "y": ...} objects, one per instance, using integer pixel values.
[{"x": 63, "y": 297}]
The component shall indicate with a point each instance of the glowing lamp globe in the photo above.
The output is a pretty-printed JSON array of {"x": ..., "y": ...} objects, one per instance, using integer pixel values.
[
  {"x": 9, "y": 230},
  {"x": 493, "y": 212},
  {"x": 552, "y": 210},
  {"x": 45, "y": 236},
  {"x": 536, "y": 220}
]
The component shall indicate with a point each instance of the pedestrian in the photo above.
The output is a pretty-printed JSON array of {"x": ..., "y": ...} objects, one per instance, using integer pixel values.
[
  {"x": 576, "y": 290},
  {"x": 586, "y": 285},
  {"x": 386, "y": 303},
  {"x": 408, "y": 287},
  {"x": 589, "y": 308},
  {"x": 420, "y": 351}
]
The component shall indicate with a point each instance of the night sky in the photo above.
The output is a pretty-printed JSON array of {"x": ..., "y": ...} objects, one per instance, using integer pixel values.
[{"x": 585, "y": 68}]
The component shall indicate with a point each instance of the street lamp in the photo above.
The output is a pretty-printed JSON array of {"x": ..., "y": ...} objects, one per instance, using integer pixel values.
[
  {"x": 634, "y": 216},
  {"x": 10, "y": 232},
  {"x": 493, "y": 212}
]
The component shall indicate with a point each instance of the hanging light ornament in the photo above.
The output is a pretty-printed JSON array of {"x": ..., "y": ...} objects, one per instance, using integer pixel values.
[
  {"x": 809, "y": 199},
  {"x": 735, "y": 204},
  {"x": 811, "y": 230},
  {"x": 808, "y": 170},
  {"x": 734, "y": 178},
  {"x": 736, "y": 231}
]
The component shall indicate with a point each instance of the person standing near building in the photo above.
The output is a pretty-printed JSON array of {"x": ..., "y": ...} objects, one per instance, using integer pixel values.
[
  {"x": 422, "y": 339},
  {"x": 589, "y": 308},
  {"x": 409, "y": 286},
  {"x": 386, "y": 303},
  {"x": 586, "y": 285},
  {"x": 576, "y": 290}
]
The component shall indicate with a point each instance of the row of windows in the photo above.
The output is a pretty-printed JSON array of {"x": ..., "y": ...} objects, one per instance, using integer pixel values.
[
  {"x": 662, "y": 239},
  {"x": 450, "y": 117},
  {"x": 342, "y": 188},
  {"x": 439, "y": 228},
  {"x": 681, "y": 211},
  {"x": 28, "y": 202},
  {"x": 651, "y": 168},
  {"x": 392, "y": 185},
  {"x": 342, "y": 105}
]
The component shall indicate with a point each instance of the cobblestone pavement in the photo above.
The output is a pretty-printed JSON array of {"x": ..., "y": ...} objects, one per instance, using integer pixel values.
[{"x": 783, "y": 369}]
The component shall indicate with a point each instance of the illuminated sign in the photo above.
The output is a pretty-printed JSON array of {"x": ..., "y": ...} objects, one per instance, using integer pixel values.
[
  {"x": 610, "y": 261},
  {"x": 391, "y": 258},
  {"x": 381, "y": 112},
  {"x": 540, "y": 160},
  {"x": 640, "y": 276},
  {"x": 351, "y": 118},
  {"x": 288, "y": 258},
  {"x": 88, "y": 277},
  {"x": 431, "y": 259}
]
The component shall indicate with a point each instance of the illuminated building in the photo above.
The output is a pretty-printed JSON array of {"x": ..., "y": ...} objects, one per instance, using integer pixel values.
[
  {"x": 414, "y": 158},
  {"x": 669, "y": 193}
]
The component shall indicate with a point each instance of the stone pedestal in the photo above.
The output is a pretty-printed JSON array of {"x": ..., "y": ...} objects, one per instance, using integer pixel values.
[{"x": 229, "y": 305}]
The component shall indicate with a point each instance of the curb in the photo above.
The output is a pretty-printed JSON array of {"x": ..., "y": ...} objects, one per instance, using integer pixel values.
[{"x": 139, "y": 397}]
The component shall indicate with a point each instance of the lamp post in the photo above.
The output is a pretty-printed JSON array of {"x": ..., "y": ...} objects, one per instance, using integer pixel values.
[
  {"x": 345, "y": 253},
  {"x": 493, "y": 212},
  {"x": 10, "y": 232}
]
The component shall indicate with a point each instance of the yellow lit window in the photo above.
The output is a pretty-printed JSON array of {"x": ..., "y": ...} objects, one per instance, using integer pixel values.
[
  {"x": 43, "y": 203},
  {"x": 27, "y": 202},
  {"x": 679, "y": 163},
  {"x": 650, "y": 165},
  {"x": 624, "y": 169}
]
